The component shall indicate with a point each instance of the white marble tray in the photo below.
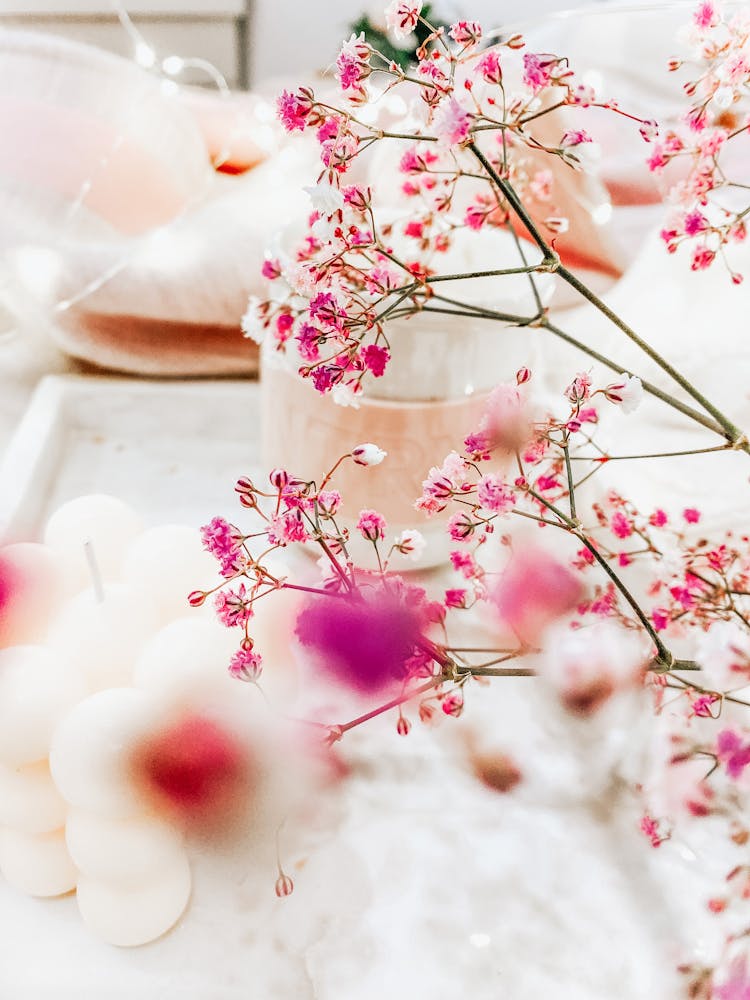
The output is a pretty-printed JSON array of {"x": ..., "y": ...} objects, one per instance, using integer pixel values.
[{"x": 171, "y": 449}]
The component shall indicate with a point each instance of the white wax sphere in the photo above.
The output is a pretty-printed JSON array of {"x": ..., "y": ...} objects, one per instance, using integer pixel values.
[
  {"x": 108, "y": 523},
  {"x": 103, "y": 638},
  {"x": 122, "y": 850},
  {"x": 29, "y": 799},
  {"x": 186, "y": 662},
  {"x": 166, "y": 564},
  {"x": 129, "y": 916},
  {"x": 90, "y": 752},
  {"x": 37, "y": 864},
  {"x": 34, "y": 578},
  {"x": 37, "y": 688}
]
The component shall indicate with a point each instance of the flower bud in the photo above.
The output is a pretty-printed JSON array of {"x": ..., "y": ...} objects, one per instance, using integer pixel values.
[
  {"x": 403, "y": 726},
  {"x": 197, "y": 598},
  {"x": 368, "y": 454},
  {"x": 284, "y": 885},
  {"x": 279, "y": 478},
  {"x": 523, "y": 375}
]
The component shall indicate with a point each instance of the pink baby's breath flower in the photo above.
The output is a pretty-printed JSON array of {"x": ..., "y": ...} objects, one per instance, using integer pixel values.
[
  {"x": 286, "y": 528},
  {"x": 402, "y": 17},
  {"x": 691, "y": 515},
  {"x": 703, "y": 257},
  {"x": 451, "y": 123},
  {"x": 650, "y": 827},
  {"x": 375, "y": 359},
  {"x": 224, "y": 542},
  {"x": 371, "y": 525},
  {"x": 455, "y": 598},
  {"x": 489, "y": 67},
  {"x": 627, "y": 392},
  {"x": 246, "y": 665},
  {"x": 620, "y": 525},
  {"x": 329, "y": 502},
  {"x": 461, "y": 526},
  {"x": 580, "y": 388},
  {"x": 453, "y": 704},
  {"x": 232, "y": 607},
  {"x": 732, "y": 753},
  {"x": 362, "y": 644},
  {"x": 293, "y": 109},
  {"x": 466, "y": 32},
  {"x": 534, "y": 591},
  {"x": 411, "y": 543},
  {"x": 574, "y": 138},
  {"x": 661, "y": 619},
  {"x": 537, "y": 70},
  {"x": 368, "y": 454},
  {"x": 464, "y": 563},
  {"x": 706, "y": 15},
  {"x": 494, "y": 494}
]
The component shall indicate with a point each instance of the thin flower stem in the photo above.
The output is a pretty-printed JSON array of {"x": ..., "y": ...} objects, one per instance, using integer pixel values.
[
  {"x": 571, "y": 485},
  {"x": 603, "y": 459},
  {"x": 495, "y": 671},
  {"x": 729, "y": 429},
  {"x": 393, "y": 703}
]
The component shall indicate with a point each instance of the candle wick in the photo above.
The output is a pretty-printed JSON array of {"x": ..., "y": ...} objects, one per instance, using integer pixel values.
[{"x": 96, "y": 576}]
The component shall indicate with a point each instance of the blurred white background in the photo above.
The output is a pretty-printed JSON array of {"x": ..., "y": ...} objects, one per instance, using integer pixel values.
[{"x": 247, "y": 40}]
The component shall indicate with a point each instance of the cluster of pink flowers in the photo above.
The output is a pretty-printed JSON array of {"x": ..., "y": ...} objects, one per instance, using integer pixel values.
[
  {"x": 597, "y": 606},
  {"x": 710, "y": 201}
]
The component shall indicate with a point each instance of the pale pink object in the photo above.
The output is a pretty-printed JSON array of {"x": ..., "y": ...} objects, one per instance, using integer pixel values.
[
  {"x": 534, "y": 591},
  {"x": 307, "y": 433}
]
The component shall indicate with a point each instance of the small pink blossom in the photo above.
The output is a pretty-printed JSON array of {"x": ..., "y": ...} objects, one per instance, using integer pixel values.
[
  {"x": 246, "y": 665},
  {"x": 293, "y": 109},
  {"x": 661, "y": 618},
  {"x": 702, "y": 258},
  {"x": 691, "y": 515},
  {"x": 224, "y": 542},
  {"x": 453, "y": 704},
  {"x": 455, "y": 598},
  {"x": 232, "y": 607},
  {"x": 620, "y": 525},
  {"x": 573, "y": 138},
  {"x": 627, "y": 392},
  {"x": 732, "y": 753},
  {"x": 375, "y": 359},
  {"x": 329, "y": 502},
  {"x": 489, "y": 67},
  {"x": 286, "y": 528},
  {"x": 368, "y": 454},
  {"x": 411, "y": 543},
  {"x": 451, "y": 123},
  {"x": 537, "y": 70},
  {"x": 371, "y": 525},
  {"x": 466, "y": 32},
  {"x": 402, "y": 17},
  {"x": 650, "y": 827},
  {"x": 493, "y": 494}
]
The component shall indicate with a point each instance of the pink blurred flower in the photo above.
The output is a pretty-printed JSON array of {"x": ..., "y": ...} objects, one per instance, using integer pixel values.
[
  {"x": 732, "y": 753},
  {"x": 737, "y": 984},
  {"x": 363, "y": 644},
  {"x": 534, "y": 591},
  {"x": 451, "y": 123},
  {"x": 494, "y": 494},
  {"x": 246, "y": 665}
]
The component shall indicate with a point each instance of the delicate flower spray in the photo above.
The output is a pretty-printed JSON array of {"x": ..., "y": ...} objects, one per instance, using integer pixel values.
[{"x": 629, "y": 600}]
